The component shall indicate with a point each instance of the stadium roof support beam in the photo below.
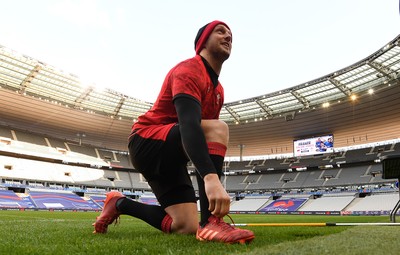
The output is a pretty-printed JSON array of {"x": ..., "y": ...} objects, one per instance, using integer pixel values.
[
  {"x": 345, "y": 90},
  {"x": 27, "y": 81},
  {"x": 119, "y": 105},
  {"x": 264, "y": 108},
  {"x": 82, "y": 97},
  {"x": 301, "y": 99},
  {"x": 233, "y": 113},
  {"x": 386, "y": 71}
]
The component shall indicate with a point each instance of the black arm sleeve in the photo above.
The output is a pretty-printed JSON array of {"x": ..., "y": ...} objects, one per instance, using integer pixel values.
[{"x": 193, "y": 139}]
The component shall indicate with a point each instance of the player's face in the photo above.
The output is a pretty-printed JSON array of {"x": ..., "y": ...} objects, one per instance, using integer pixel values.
[{"x": 219, "y": 43}]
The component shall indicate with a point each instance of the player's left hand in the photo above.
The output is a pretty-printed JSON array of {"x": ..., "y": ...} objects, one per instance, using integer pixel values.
[{"x": 218, "y": 198}]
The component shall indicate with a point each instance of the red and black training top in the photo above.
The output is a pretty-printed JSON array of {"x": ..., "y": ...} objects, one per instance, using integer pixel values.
[
  {"x": 190, "y": 93},
  {"x": 189, "y": 78}
]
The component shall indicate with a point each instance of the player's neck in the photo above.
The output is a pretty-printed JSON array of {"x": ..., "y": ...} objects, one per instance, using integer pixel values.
[{"x": 215, "y": 64}]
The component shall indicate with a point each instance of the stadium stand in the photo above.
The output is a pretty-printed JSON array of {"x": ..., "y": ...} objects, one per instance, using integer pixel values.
[
  {"x": 29, "y": 138},
  {"x": 56, "y": 143},
  {"x": 234, "y": 182},
  {"x": 249, "y": 203},
  {"x": 270, "y": 164},
  {"x": 148, "y": 198},
  {"x": 56, "y": 168},
  {"x": 290, "y": 204},
  {"x": 5, "y": 132},
  {"x": 327, "y": 203},
  {"x": 98, "y": 170},
  {"x": 124, "y": 160},
  {"x": 373, "y": 203},
  {"x": 89, "y": 151},
  {"x": 9, "y": 199},
  {"x": 61, "y": 200},
  {"x": 97, "y": 199}
]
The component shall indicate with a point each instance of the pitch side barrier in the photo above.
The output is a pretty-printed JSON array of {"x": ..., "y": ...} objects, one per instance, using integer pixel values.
[
  {"x": 336, "y": 213},
  {"x": 328, "y": 213},
  {"x": 290, "y": 212},
  {"x": 49, "y": 210}
]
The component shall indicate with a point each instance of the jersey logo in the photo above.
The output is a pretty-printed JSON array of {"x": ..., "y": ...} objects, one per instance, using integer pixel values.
[{"x": 218, "y": 98}]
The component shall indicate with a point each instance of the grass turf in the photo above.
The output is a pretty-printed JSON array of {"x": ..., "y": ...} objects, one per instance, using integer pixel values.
[{"x": 42, "y": 232}]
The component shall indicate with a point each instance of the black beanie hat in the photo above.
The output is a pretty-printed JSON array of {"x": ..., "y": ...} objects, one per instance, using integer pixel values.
[{"x": 203, "y": 34}]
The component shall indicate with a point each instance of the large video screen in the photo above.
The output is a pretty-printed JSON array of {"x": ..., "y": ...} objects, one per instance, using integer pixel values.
[{"x": 313, "y": 145}]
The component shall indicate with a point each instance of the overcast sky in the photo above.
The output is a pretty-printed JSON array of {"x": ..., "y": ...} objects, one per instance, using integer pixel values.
[{"x": 129, "y": 46}]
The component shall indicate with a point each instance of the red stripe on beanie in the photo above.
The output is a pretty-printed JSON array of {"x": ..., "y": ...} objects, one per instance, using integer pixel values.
[{"x": 206, "y": 33}]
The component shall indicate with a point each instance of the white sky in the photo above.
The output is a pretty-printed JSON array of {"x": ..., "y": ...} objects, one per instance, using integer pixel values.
[{"x": 129, "y": 46}]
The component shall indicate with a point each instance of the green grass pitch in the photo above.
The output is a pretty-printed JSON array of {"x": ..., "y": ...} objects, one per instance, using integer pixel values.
[{"x": 43, "y": 232}]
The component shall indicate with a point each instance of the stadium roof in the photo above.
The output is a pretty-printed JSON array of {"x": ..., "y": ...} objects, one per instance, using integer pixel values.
[{"x": 30, "y": 78}]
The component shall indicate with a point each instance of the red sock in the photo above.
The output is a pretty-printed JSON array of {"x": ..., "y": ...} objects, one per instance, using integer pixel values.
[
  {"x": 166, "y": 224},
  {"x": 215, "y": 148}
]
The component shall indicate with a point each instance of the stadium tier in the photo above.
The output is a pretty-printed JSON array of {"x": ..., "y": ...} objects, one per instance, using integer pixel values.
[
  {"x": 69, "y": 178},
  {"x": 36, "y": 163},
  {"x": 9, "y": 199},
  {"x": 61, "y": 200}
]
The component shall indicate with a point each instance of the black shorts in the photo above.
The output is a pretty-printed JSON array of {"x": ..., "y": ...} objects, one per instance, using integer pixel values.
[{"x": 164, "y": 165}]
